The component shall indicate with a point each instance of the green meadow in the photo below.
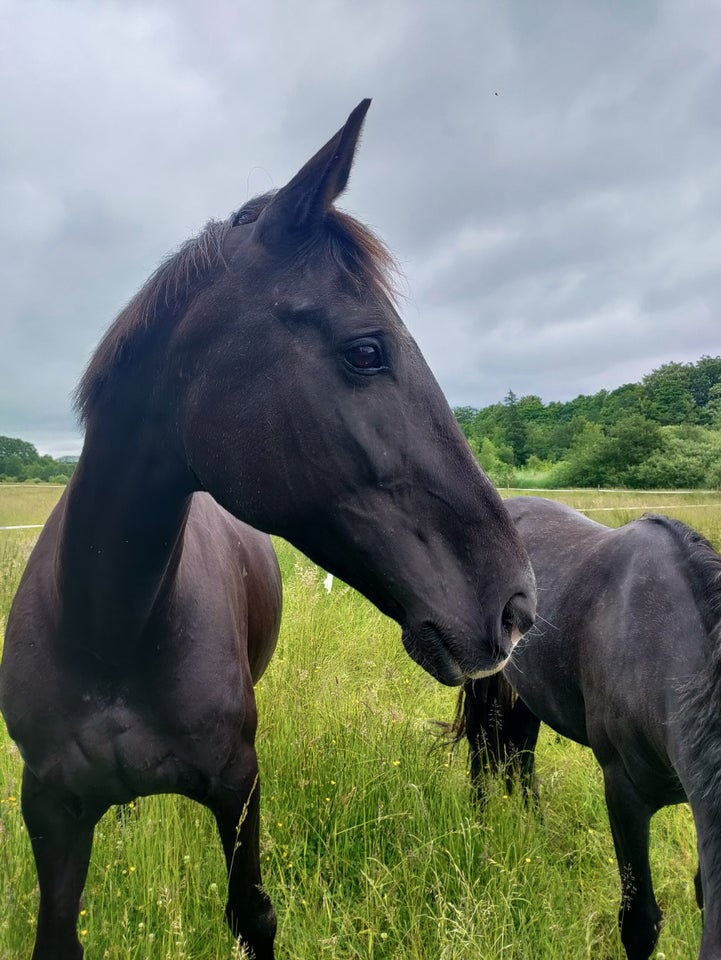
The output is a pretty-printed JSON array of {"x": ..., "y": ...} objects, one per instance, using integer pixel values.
[{"x": 370, "y": 846}]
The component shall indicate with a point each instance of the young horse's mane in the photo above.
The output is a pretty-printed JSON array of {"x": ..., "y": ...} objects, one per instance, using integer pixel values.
[
  {"x": 705, "y": 568},
  {"x": 701, "y": 694},
  {"x": 360, "y": 255}
]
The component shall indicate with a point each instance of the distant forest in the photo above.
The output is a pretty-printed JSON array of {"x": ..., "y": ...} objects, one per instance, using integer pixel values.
[
  {"x": 20, "y": 462},
  {"x": 661, "y": 433}
]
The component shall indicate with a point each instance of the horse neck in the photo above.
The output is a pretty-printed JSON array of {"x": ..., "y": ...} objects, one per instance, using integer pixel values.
[{"x": 120, "y": 541}]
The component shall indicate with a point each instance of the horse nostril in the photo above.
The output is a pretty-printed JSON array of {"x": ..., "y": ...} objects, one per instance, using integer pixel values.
[{"x": 518, "y": 616}]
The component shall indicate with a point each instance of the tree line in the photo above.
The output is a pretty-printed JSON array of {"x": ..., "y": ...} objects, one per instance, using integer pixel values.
[
  {"x": 20, "y": 462},
  {"x": 661, "y": 433}
]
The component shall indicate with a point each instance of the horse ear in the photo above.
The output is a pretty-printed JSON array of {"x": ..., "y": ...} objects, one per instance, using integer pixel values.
[{"x": 304, "y": 200}]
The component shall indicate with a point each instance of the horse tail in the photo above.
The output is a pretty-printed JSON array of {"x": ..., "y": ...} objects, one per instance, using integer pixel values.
[{"x": 451, "y": 733}]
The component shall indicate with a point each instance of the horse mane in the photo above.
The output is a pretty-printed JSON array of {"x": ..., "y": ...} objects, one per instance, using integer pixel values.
[
  {"x": 704, "y": 569},
  {"x": 700, "y": 710},
  {"x": 360, "y": 255}
]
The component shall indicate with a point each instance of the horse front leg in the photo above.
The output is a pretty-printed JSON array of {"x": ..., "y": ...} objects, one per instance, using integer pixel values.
[
  {"x": 62, "y": 839},
  {"x": 630, "y": 817},
  {"x": 235, "y": 803}
]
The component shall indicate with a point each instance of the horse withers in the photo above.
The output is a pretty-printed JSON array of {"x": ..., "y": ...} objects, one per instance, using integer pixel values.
[
  {"x": 264, "y": 364},
  {"x": 625, "y": 658}
]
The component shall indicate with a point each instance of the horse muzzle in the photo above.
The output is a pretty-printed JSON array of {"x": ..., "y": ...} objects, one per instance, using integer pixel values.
[
  {"x": 437, "y": 650},
  {"x": 453, "y": 656}
]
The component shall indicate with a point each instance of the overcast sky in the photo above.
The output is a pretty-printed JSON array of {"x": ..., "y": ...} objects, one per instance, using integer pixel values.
[{"x": 548, "y": 174}]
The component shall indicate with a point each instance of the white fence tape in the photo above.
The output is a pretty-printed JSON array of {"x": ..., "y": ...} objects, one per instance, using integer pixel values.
[{"x": 27, "y": 526}]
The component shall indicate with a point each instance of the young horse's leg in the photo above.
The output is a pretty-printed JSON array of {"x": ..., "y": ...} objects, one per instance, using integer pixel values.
[
  {"x": 630, "y": 817},
  {"x": 698, "y": 887},
  {"x": 708, "y": 878},
  {"x": 235, "y": 803},
  {"x": 61, "y": 839}
]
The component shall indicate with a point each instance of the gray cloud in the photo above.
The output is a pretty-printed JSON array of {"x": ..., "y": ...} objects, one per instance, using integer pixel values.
[{"x": 549, "y": 177}]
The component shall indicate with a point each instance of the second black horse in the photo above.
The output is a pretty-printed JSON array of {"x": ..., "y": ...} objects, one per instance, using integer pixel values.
[{"x": 625, "y": 658}]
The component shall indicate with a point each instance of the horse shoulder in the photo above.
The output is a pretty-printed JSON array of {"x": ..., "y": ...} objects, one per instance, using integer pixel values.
[{"x": 242, "y": 593}]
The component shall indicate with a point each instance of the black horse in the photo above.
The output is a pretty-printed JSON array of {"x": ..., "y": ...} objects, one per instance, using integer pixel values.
[
  {"x": 266, "y": 365},
  {"x": 625, "y": 658}
]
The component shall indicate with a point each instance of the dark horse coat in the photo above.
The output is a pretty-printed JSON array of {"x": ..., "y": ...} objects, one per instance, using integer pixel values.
[
  {"x": 625, "y": 657},
  {"x": 266, "y": 365}
]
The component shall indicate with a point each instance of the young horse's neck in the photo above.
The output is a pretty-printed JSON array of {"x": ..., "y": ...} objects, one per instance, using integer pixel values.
[{"x": 120, "y": 539}]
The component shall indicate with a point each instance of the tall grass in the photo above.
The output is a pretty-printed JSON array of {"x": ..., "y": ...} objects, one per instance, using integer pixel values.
[
  {"x": 22, "y": 503},
  {"x": 15, "y": 548},
  {"x": 370, "y": 847}
]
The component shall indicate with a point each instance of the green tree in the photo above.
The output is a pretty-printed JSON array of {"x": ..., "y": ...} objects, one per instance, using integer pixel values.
[
  {"x": 621, "y": 403},
  {"x": 667, "y": 395},
  {"x": 465, "y": 417},
  {"x": 711, "y": 413},
  {"x": 19, "y": 460},
  {"x": 554, "y": 440},
  {"x": 686, "y": 458},
  {"x": 584, "y": 464},
  {"x": 704, "y": 379},
  {"x": 630, "y": 442},
  {"x": 16, "y": 453},
  {"x": 608, "y": 458},
  {"x": 500, "y": 471},
  {"x": 515, "y": 428}
]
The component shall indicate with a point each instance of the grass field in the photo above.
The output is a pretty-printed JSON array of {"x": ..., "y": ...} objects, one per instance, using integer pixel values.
[{"x": 369, "y": 844}]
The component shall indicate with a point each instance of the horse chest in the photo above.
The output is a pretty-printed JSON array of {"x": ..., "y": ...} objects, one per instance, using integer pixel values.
[{"x": 118, "y": 749}]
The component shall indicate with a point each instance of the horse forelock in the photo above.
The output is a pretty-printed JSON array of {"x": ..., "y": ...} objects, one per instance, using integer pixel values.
[
  {"x": 360, "y": 254},
  {"x": 352, "y": 247}
]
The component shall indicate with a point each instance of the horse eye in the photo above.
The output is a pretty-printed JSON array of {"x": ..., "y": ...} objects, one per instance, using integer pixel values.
[{"x": 365, "y": 356}]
